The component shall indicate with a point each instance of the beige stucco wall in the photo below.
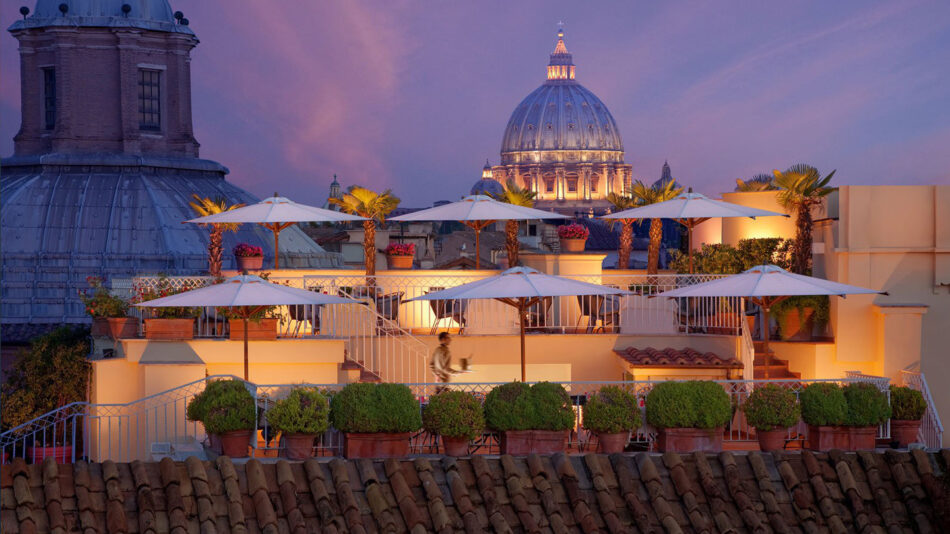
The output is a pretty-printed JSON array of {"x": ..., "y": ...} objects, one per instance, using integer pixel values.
[{"x": 736, "y": 228}]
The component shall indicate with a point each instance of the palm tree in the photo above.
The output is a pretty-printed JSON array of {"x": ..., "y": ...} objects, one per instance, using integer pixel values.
[
  {"x": 801, "y": 188},
  {"x": 620, "y": 203},
  {"x": 519, "y": 197},
  {"x": 759, "y": 182},
  {"x": 645, "y": 195},
  {"x": 204, "y": 206},
  {"x": 375, "y": 207}
]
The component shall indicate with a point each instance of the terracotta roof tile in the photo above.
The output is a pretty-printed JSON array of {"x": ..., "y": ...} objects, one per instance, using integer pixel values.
[{"x": 669, "y": 357}]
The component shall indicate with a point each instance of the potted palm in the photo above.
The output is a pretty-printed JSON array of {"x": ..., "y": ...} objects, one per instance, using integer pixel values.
[
  {"x": 771, "y": 409},
  {"x": 300, "y": 418},
  {"x": 204, "y": 206},
  {"x": 376, "y": 419},
  {"x": 530, "y": 419},
  {"x": 248, "y": 257},
  {"x": 573, "y": 237},
  {"x": 611, "y": 413},
  {"x": 109, "y": 312},
  {"x": 825, "y": 411},
  {"x": 517, "y": 196},
  {"x": 166, "y": 323},
  {"x": 868, "y": 408},
  {"x": 621, "y": 203},
  {"x": 228, "y": 412},
  {"x": 690, "y": 415},
  {"x": 457, "y": 417},
  {"x": 375, "y": 207},
  {"x": 907, "y": 407},
  {"x": 801, "y": 188},
  {"x": 400, "y": 255},
  {"x": 645, "y": 195},
  {"x": 798, "y": 317}
]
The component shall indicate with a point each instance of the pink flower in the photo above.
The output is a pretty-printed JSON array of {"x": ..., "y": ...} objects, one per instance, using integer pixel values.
[
  {"x": 572, "y": 231},
  {"x": 245, "y": 250},
  {"x": 401, "y": 249}
]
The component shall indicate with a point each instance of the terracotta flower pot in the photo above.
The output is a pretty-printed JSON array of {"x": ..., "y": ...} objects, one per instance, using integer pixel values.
[
  {"x": 234, "y": 444},
  {"x": 265, "y": 330},
  {"x": 61, "y": 454},
  {"x": 455, "y": 446},
  {"x": 376, "y": 445},
  {"x": 298, "y": 446},
  {"x": 905, "y": 431},
  {"x": 772, "y": 440},
  {"x": 115, "y": 327},
  {"x": 399, "y": 262},
  {"x": 611, "y": 443},
  {"x": 572, "y": 245},
  {"x": 249, "y": 263},
  {"x": 170, "y": 329},
  {"x": 797, "y": 327},
  {"x": 689, "y": 440},
  {"x": 826, "y": 438},
  {"x": 862, "y": 438},
  {"x": 524, "y": 442}
]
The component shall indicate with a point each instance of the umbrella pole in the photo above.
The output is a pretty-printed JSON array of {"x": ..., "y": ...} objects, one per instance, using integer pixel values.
[
  {"x": 522, "y": 311},
  {"x": 478, "y": 254},
  {"x": 277, "y": 249},
  {"x": 245, "y": 347},
  {"x": 689, "y": 244},
  {"x": 765, "y": 337}
]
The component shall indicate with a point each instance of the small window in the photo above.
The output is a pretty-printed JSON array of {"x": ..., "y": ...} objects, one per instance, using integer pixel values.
[
  {"x": 549, "y": 186},
  {"x": 572, "y": 185},
  {"x": 150, "y": 99},
  {"x": 532, "y": 229},
  {"x": 49, "y": 98}
]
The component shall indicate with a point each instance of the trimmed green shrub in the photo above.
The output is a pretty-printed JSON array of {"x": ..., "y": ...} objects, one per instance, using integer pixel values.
[
  {"x": 691, "y": 404},
  {"x": 907, "y": 404},
  {"x": 198, "y": 405},
  {"x": 229, "y": 408},
  {"x": 454, "y": 414},
  {"x": 518, "y": 406},
  {"x": 611, "y": 410},
  {"x": 771, "y": 407},
  {"x": 867, "y": 405},
  {"x": 304, "y": 411},
  {"x": 823, "y": 404},
  {"x": 375, "y": 408}
]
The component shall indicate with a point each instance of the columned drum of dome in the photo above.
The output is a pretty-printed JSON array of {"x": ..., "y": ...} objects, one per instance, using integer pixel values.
[{"x": 562, "y": 142}]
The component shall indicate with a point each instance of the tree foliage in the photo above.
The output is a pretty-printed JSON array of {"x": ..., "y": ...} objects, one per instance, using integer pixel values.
[
  {"x": 645, "y": 195},
  {"x": 518, "y": 196},
  {"x": 204, "y": 206},
  {"x": 801, "y": 188},
  {"x": 375, "y": 207}
]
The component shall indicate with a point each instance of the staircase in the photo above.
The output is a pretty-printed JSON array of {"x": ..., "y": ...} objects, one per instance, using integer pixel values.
[
  {"x": 354, "y": 371},
  {"x": 777, "y": 369}
]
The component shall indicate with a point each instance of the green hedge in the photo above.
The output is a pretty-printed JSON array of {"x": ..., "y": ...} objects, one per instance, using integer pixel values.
[
  {"x": 367, "y": 407},
  {"x": 867, "y": 405},
  {"x": 690, "y": 404},
  {"x": 771, "y": 407},
  {"x": 227, "y": 408},
  {"x": 517, "y": 406},
  {"x": 823, "y": 404},
  {"x": 454, "y": 414},
  {"x": 304, "y": 411},
  {"x": 198, "y": 405},
  {"x": 611, "y": 410},
  {"x": 907, "y": 404}
]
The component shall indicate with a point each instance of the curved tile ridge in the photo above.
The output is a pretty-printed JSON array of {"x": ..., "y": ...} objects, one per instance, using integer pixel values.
[
  {"x": 582, "y": 513},
  {"x": 869, "y": 462},
  {"x": 257, "y": 491},
  {"x": 912, "y": 495},
  {"x": 345, "y": 497},
  {"x": 650, "y": 478},
  {"x": 376, "y": 497},
  {"x": 932, "y": 486},
  {"x": 232, "y": 491},
  {"x": 23, "y": 496},
  {"x": 630, "y": 492},
  {"x": 743, "y": 501},
  {"x": 412, "y": 515},
  {"x": 714, "y": 494},
  {"x": 115, "y": 511},
  {"x": 516, "y": 494},
  {"x": 321, "y": 497},
  {"x": 687, "y": 491},
  {"x": 202, "y": 494},
  {"x": 438, "y": 513},
  {"x": 174, "y": 504},
  {"x": 486, "y": 487},
  {"x": 53, "y": 501},
  {"x": 144, "y": 499},
  {"x": 826, "y": 504},
  {"x": 287, "y": 487},
  {"x": 851, "y": 490},
  {"x": 604, "y": 485},
  {"x": 801, "y": 494},
  {"x": 768, "y": 495},
  {"x": 541, "y": 482},
  {"x": 459, "y": 492}
]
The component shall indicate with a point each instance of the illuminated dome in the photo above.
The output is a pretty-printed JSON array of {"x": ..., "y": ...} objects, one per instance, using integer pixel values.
[
  {"x": 487, "y": 185},
  {"x": 561, "y": 115}
]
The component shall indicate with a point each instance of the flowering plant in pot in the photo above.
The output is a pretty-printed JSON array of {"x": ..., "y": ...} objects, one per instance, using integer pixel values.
[
  {"x": 376, "y": 419},
  {"x": 457, "y": 417},
  {"x": 867, "y": 409},
  {"x": 771, "y": 409},
  {"x": 907, "y": 410},
  {"x": 825, "y": 411},
  {"x": 248, "y": 257},
  {"x": 530, "y": 419},
  {"x": 227, "y": 411},
  {"x": 611, "y": 413},
  {"x": 690, "y": 415},
  {"x": 399, "y": 255},
  {"x": 572, "y": 237},
  {"x": 109, "y": 313},
  {"x": 172, "y": 323},
  {"x": 300, "y": 418}
]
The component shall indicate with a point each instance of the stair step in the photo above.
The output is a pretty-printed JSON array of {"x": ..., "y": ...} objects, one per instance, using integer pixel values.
[
  {"x": 369, "y": 376},
  {"x": 350, "y": 365},
  {"x": 760, "y": 360},
  {"x": 759, "y": 374}
]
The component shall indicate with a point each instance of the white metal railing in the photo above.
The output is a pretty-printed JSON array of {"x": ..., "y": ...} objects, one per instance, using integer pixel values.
[
  {"x": 931, "y": 429},
  {"x": 152, "y": 426},
  {"x": 746, "y": 348}
]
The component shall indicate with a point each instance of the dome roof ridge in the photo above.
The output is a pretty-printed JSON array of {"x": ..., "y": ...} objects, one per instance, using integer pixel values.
[{"x": 153, "y": 15}]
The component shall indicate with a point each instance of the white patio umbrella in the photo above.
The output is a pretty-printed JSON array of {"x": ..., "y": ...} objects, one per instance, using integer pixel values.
[
  {"x": 477, "y": 212},
  {"x": 276, "y": 213},
  {"x": 245, "y": 294},
  {"x": 766, "y": 286},
  {"x": 691, "y": 209},
  {"x": 521, "y": 288}
]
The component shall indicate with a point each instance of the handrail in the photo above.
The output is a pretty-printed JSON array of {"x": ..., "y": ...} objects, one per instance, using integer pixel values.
[
  {"x": 931, "y": 428},
  {"x": 746, "y": 348}
]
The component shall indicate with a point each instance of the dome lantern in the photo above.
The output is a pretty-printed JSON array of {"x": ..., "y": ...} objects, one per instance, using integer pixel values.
[{"x": 561, "y": 66}]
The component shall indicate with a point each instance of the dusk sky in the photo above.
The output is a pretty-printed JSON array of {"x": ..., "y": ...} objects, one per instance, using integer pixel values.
[{"x": 414, "y": 96}]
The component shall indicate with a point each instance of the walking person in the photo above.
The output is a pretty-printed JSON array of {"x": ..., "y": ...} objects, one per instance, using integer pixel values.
[{"x": 441, "y": 362}]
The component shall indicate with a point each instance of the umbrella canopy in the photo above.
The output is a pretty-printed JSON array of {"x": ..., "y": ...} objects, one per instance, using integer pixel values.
[
  {"x": 521, "y": 288},
  {"x": 276, "y": 213},
  {"x": 246, "y": 294},
  {"x": 691, "y": 209},
  {"x": 477, "y": 212}
]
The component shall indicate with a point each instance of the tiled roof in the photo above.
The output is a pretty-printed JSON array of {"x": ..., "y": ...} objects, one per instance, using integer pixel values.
[
  {"x": 650, "y": 357},
  {"x": 787, "y": 493}
]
